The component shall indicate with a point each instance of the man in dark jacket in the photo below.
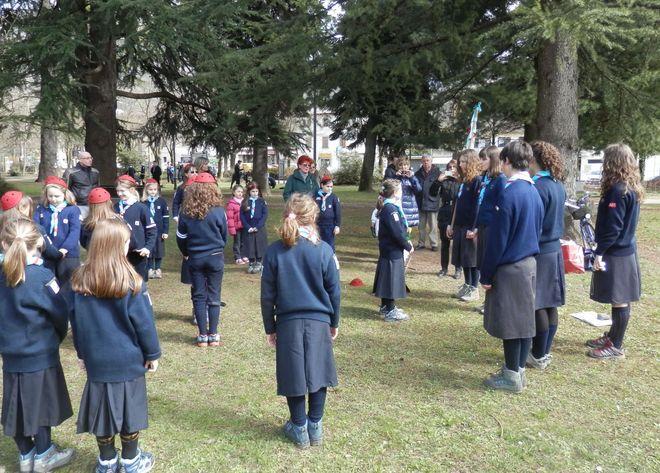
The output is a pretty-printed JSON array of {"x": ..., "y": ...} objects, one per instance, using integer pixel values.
[
  {"x": 428, "y": 204},
  {"x": 156, "y": 171},
  {"x": 81, "y": 179},
  {"x": 301, "y": 180}
]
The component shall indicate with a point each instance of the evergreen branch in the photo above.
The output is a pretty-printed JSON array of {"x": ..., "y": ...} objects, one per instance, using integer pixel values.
[{"x": 161, "y": 95}]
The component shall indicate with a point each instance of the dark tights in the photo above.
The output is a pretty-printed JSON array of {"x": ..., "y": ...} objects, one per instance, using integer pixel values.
[
  {"x": 41, "y": 440},
  {"x": 471, "y": 276},
  {"x": 129, "y": 446},
  {"x": 316, "y": 405},
  {"x": 620, "y": 318},
  {"x": 547, "y": 321},
  {"x": 515, "y": 352},
  {"x": 387, "y": 303}
]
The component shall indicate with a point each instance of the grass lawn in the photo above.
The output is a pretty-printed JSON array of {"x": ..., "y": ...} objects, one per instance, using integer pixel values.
[{"x": 410, "y": 397}]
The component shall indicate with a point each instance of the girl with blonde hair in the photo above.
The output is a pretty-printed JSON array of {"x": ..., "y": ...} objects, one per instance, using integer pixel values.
[
  {"x": 100, "y": 208},
  {"x": 301, "y": 317},
  {"x": 116, "y": 341},
  {"x": 160, "y": 213}
]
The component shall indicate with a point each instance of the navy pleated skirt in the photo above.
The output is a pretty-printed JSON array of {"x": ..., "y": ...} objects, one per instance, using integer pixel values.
[
  {"x": 108, "y": 409},
  {"x": 464, "y": 251},
  {"x": 185, "y": 272},
  {"x": 390, "y": 279},
  {"x": 255, "y": 244},
  {"x": 33, "y": 400},
  {"x": 550, "y": 284},
  {"x": 620, "y": 283},
  {"x": 305, "y": 361}
]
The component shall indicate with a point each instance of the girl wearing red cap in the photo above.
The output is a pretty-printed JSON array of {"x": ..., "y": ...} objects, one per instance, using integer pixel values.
[
  {"x": 329, "y": 219},
  {"x": 161, "y": 214},
  {"x": 60, "y": 216},
  {"x": 142, "y": 225},
  {"x": 100, "y": 208},
  {"x": 254, "y": 213}
]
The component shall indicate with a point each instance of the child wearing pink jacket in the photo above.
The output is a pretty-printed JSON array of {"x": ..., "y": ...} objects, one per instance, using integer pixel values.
[{"x": 234, "y": 224}]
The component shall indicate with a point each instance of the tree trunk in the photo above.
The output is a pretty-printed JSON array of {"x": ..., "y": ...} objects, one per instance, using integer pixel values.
[
  {"x": 530, "y": 132},
  {"x": 48, "y": 158},
  {"x": 101, "y": 104},
  {"x": 367, "y": 173},
  {"x": 260, "y": 168},
  {"x": 557, "y": 101}
]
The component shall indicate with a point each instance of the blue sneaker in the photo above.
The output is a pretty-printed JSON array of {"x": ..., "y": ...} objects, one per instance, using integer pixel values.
[
  {"x": 315, "y": 430},
  {"x": 107, "y": 466},
  {"x": 297, "y": 434},
  {"x": 142, "y": 463},
  {"x": 52, "y": 459},
  {"x": 26, "y": 462}
]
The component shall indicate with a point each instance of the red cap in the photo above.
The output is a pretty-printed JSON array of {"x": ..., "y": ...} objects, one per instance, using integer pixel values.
[
  {"x": 357, "y": 282},
  {"x": 325, "y": 179},
  {"x": 305, "y": 159},
  {"x": 55, "y": 181},
  {"x": 151, "y": 180},
  {"x": 191, "y": 180},
  {"x": 205, "y": 178},
  {"x": 10, "y": 199},
  {"x": 126, "y": 177},
  {"x": 98, "y": 195}
]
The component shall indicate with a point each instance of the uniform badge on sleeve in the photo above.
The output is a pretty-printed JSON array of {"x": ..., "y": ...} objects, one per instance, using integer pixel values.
[
  {"x": 396, "y": 216},
  {"x": 54, "y": 286}
]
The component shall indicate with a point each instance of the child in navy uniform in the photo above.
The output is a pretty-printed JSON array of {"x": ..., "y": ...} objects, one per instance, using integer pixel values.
[
  {"x": 116, "y": 341},
  {"x": 462, "y": 228},
  {"x": 616, "y": 279},
  {"x": 15, "y": 205},
  {"x": 254, "y": 213},
  {"x": 60, "y": 216},
  {"x": 32, "y": 326},
  {"x": 142, "y": 225},
  {"x": 301, "y": 317},
  {"x": 201, "y": 236},
  {"x": 508, "y": 272},
  {"x": 547, "y": 170},
  {"x": 100, "y": 208},
  {"x": 329, "y": 221},
  {"x": 390, "y": 278},
  {"x": 161, "y": 215},
  {"x": 189, "y": 172}
]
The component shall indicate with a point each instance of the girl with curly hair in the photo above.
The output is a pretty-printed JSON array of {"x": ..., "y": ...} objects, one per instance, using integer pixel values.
[
  {"x": 201, "y": 236},
  {"x": 547, "y": 170},
  {"x": 254, "y": 212},
  {"x": 616, "y": 279},
  {"x": 462, "y": 228}
]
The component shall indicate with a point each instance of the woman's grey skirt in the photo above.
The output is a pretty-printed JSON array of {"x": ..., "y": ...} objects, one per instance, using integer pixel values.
[
  {"x": 463, "y": 251},
  {"x": 550, "y": 285},
  {"x": 509, "y": 307},
  {"x": 33, "y": 400},
  {"x": 390, "y": 279},
  {"x": 620, "y": 283},
  {"x": 304, "y": 358},
  {"x": 108, "y": 409}
]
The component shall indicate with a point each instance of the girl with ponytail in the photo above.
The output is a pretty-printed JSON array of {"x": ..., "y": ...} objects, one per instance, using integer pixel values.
[
  {"x": 32, "y": 326},
  {"x": 301, "y": 317}
]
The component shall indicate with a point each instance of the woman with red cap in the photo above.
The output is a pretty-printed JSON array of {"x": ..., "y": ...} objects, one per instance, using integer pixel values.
[
  {"x": 301, "y": 181},
  {"x": 59, "y": 214}
]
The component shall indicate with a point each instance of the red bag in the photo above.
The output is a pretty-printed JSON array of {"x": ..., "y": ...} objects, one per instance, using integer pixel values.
[{"x": 573, "y": 257}]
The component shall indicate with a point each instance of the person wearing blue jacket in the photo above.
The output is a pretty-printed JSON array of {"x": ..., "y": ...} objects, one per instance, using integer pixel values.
[
  {"x": 142, "y": 225},
  {"x": 616, "y": 279},
  {"x": 189, "y": 171},
  {"x": 508, "y": 272},
  {"x": 547, "y": 169},
  {"x": 115, "y": 338},
  {"x": 411, "y": 188},
  {"x": 254, "y": 213},
  {"x": 329, "y": 219},
  {"x": 60, "y": 216},
  {"x": 390, "y": 278},
  {"x": 160, "y": 213},
  {"x": 32, "y": 326},
  {"x": 201, "y": 236},
  {"x": 301, "y": 317}
]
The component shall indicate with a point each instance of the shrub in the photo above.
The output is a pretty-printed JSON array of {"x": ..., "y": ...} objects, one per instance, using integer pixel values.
[{"x": 349, "y": 172}]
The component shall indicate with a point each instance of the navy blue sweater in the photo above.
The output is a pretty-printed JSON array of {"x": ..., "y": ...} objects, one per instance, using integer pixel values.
[
  {"x": 68, "y": 228},
  {"x": 515, "y": 230},
  {"x": 201, "y": 238},
  {"x": 143, "y": 227},
  {"x": 260, "y": 214},
  {"x": 32, "y": 322},
  {"x": 392, "y": 233},
  {"x": 331, "y": 217},
  {"x": 49, "y": 252},
  {"x": 177, "y": 200},
  {"x": 492, "y": 191},
  {"x": 553, "y": 196},
  {"x": 301, "y": 282},
  {"x": 114, "y": 337},
  {"x": 467, "y": 203},
  {"x": 161, "y": 215},
  {"x": 618, "y": 213}
]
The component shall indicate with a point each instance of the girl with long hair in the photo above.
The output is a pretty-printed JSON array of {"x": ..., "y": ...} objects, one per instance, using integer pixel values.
[
  {"x": 234, "y": 223},
  {"x": 100, "y": 208},
  {"x": 160, "y": 213},
  {"x": 254, "y": 213}
]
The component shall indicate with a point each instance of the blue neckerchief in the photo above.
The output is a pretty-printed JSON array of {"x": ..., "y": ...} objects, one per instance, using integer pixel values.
[
  {"x": 253, "y": 204},
  {"x": 460, "y": 189},
  {"x": 540, "y": 174},
  {"x": 323, "y": 196},
  {"x": 124, "y": 204},
  {"x": 54, "y": 217},
  {"x": 152, "y": 205},
  {"x": 398, "y": 207},
  {"x": 484, "y": 184}
]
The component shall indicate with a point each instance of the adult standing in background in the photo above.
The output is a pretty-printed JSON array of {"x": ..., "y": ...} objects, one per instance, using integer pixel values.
[
  {"x": 81, "y": 179},
  {"x": 428, "y": 204},
  {"x": 156, "y": 171},
  {"x": 236, "y": 176},
  {"x": 301, "y": 180},
  {"x": 390, "y": 170}
]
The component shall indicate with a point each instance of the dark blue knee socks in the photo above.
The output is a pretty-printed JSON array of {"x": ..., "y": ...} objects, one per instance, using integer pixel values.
[
  {"x": 316, "y": 405},
  {"x": 620, "y": 318},
  {"x": 515, "y": 352}
]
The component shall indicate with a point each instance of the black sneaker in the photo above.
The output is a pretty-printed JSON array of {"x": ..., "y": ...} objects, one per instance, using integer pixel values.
[{"x": 442, "y": 273}]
